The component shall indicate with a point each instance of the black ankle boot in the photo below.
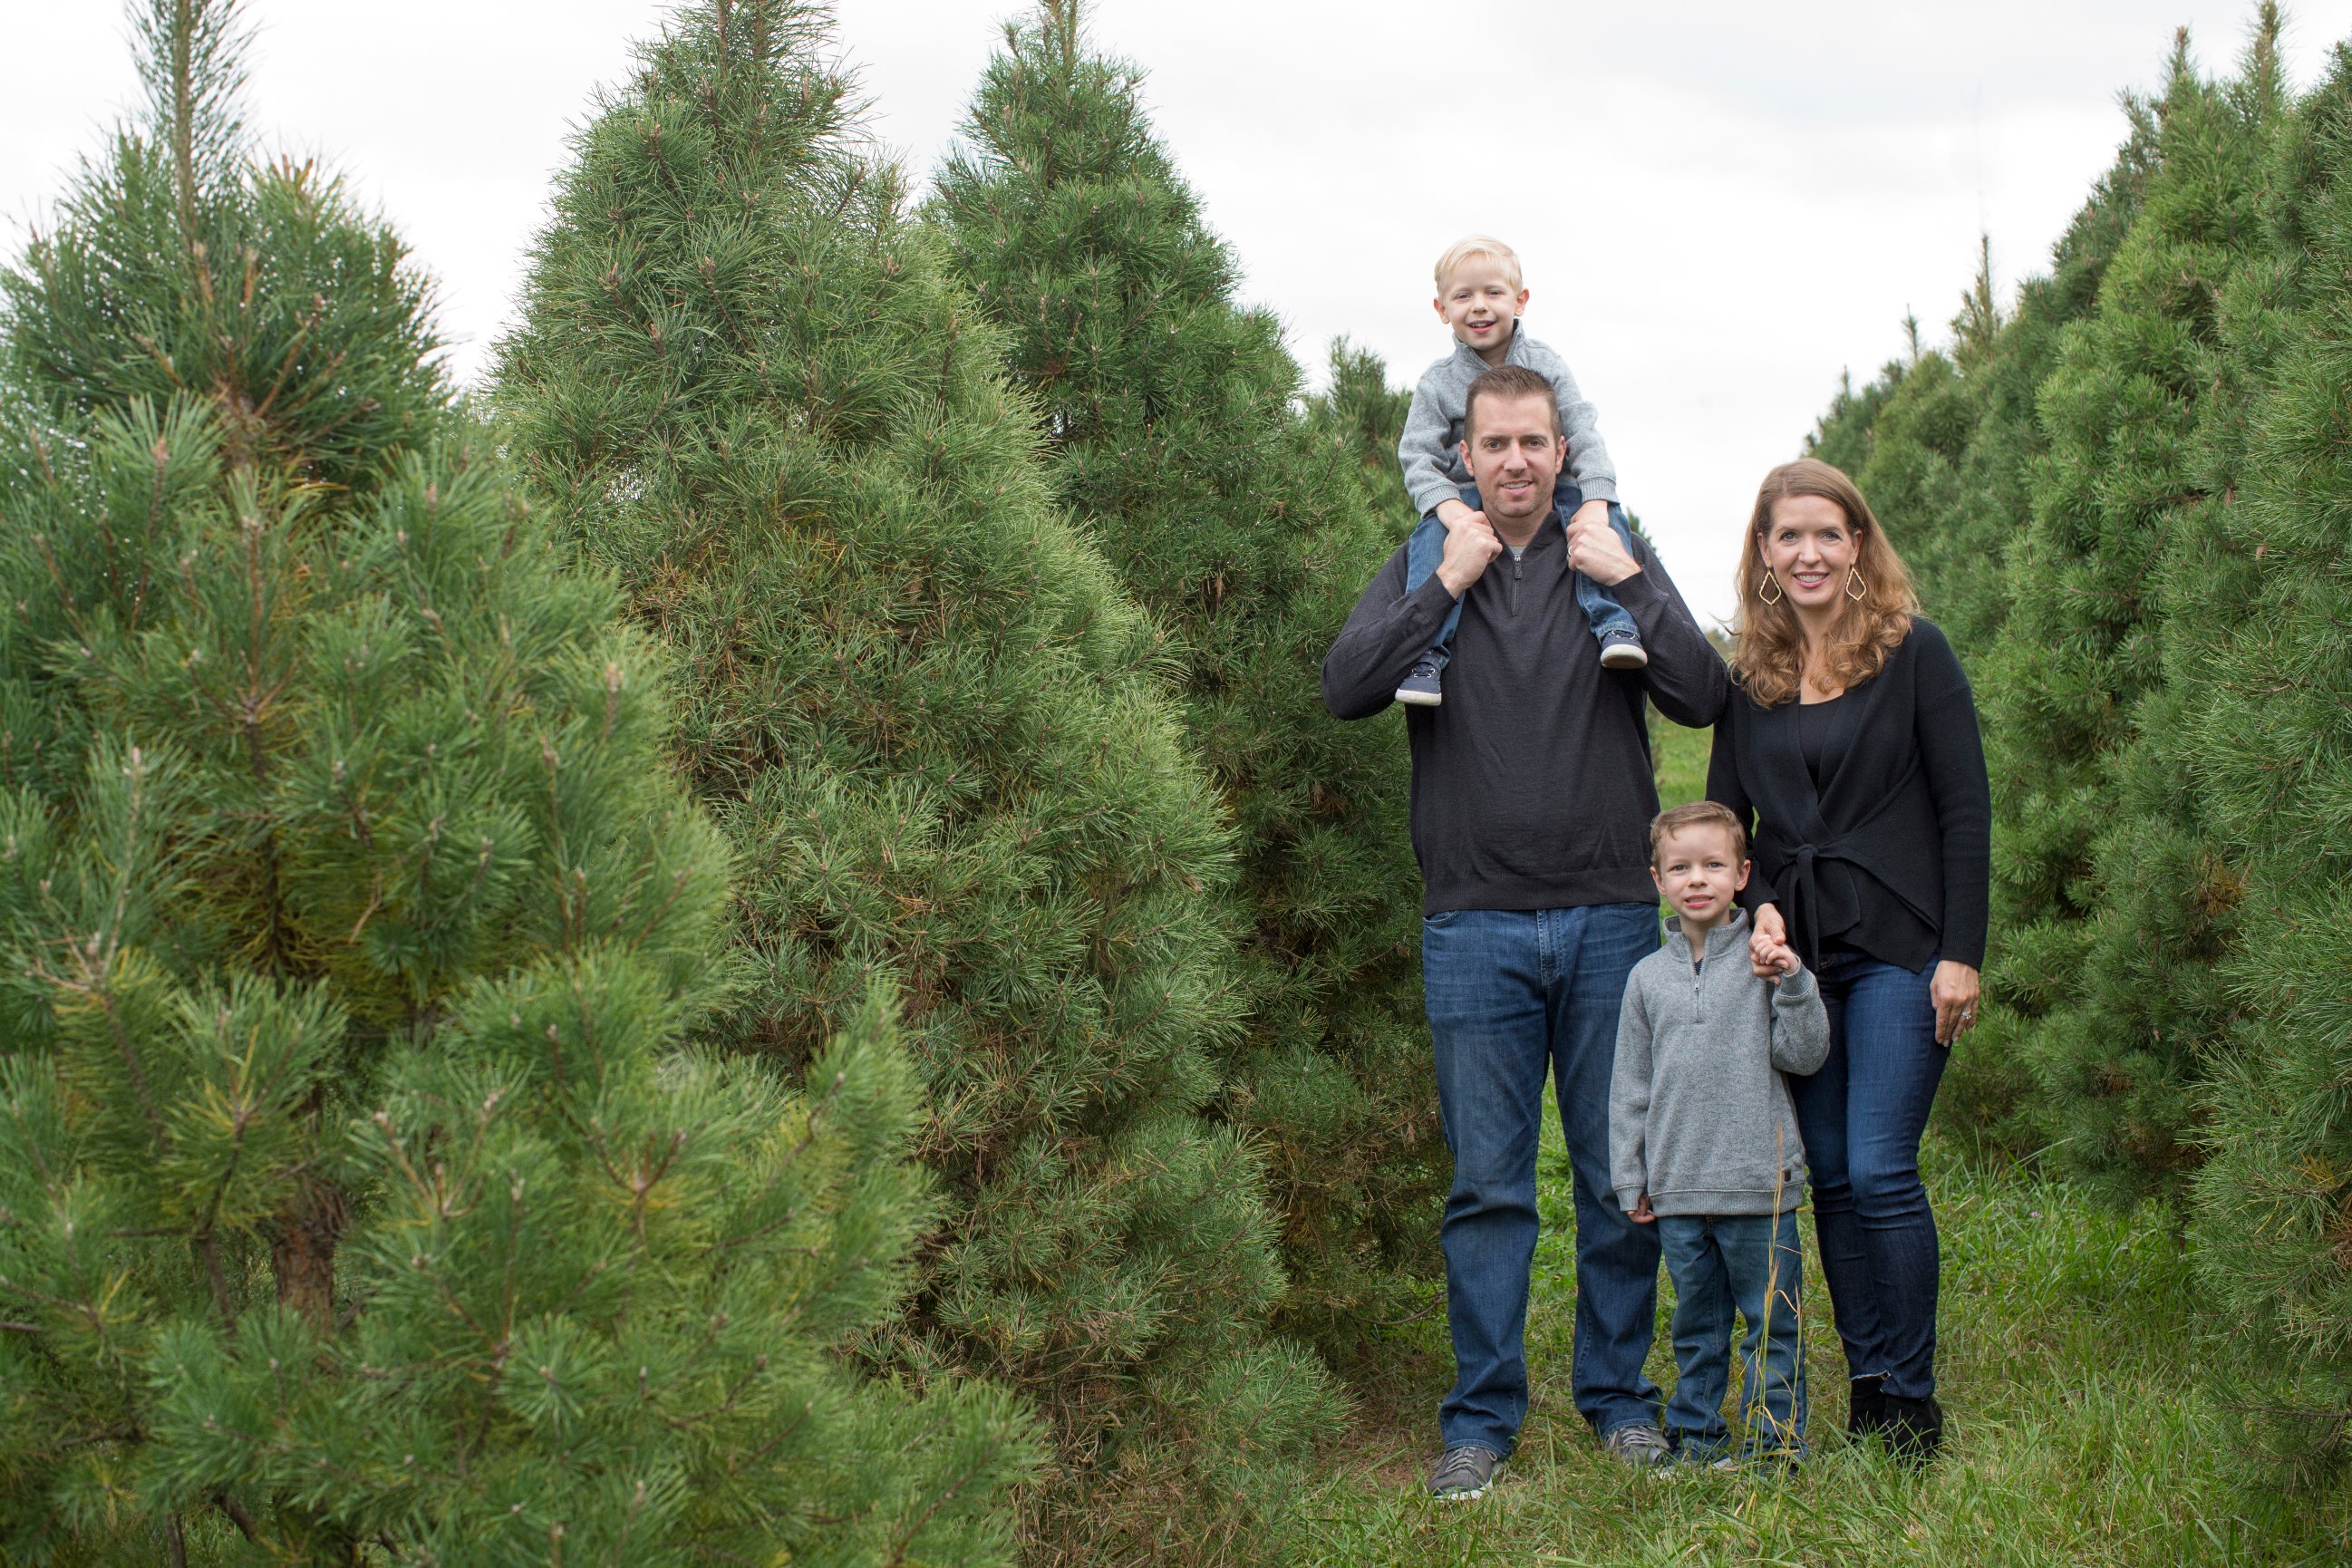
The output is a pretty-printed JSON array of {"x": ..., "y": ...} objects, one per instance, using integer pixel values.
[
  {"x": 1866, "y": 1407},
  {"x": 1914, "y": 1428}
]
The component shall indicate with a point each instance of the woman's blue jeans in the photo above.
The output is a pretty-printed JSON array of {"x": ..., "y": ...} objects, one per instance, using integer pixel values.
[
  {"x": 1602, "y": 613},
  {"x": 1512, "y": 995},
  {"x": 1861, "y": 1116},
  {"x": 1720, "y": 1264}
]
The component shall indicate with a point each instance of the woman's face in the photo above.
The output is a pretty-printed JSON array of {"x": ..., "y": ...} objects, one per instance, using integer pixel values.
[{"x": 1810, "y": 547}]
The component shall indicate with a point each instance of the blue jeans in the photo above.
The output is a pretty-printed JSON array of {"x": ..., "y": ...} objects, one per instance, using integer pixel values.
[
  {"x": 1861, "y": 1116},
  {"x": 1607, "y": 618},
  {"x": 1512, "y": 993},
  {"x": 1718, "y": 1263}
]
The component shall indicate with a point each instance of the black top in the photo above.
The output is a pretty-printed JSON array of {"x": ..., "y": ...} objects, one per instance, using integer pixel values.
[
  {"x": 1821, "y": 736},
  {"x": 1892, "y": 855},
  {"x": 1532, "y": 786}
]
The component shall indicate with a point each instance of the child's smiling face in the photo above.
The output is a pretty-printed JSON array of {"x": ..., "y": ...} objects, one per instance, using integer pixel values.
[
  {"x": 1697, "y": 871},
  {"x": 1482, "y": 306}
]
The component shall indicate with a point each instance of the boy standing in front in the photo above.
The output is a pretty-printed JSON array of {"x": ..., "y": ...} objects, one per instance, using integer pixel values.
[
  {"x": 1480, "y": 297},
  {"x": 1702, "y": 1140}
]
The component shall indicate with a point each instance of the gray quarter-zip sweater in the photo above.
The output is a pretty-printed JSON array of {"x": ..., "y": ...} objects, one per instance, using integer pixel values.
[
  {"x": 1699, "y": 1115},
  {"x": 1430, "y": 451}
]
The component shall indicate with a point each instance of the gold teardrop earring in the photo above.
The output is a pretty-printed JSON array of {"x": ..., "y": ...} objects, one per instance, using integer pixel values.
[
  {"x": 1855, "y": 588},
  {"x": 1774, "y": 584}
]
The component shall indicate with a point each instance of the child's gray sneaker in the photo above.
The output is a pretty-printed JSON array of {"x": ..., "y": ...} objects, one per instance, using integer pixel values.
[
  {"x": 1462, "y": 1473},
  {"x": 1623, "y": 650},
  {"x": 1420, "y": 688},
  {"x": 1644, "y": 1447}
]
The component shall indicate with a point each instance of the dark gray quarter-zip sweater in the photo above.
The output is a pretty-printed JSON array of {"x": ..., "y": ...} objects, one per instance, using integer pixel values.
[
  {"x": 1699, "y": 1115},
  {"x": 1532, "y": 785}
]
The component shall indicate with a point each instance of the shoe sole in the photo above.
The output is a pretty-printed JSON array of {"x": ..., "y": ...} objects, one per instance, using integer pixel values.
[
  {"x": 1624, "y": 658},
  {"x": 1462, "y": 1497},
  {"x": 1420, "y": 699}
]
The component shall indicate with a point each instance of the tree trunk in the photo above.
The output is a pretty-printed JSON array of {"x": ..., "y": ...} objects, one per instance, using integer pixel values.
[{"x": 302, "y": 1252}]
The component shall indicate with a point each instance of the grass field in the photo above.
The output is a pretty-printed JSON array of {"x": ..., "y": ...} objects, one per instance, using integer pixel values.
[{"x": 2078, "y": 1434}]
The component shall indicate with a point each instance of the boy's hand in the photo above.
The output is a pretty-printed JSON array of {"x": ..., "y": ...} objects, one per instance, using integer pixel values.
[
  {"x": 1593, "y": 548},
  {"x": 1640, "y": 1213},
  {"x": 1777, "y": 962},
  {"x": 1469, "y": 548},
  {"x": 1770, "y": 930},
  {"x": 1454, "y": 513}
]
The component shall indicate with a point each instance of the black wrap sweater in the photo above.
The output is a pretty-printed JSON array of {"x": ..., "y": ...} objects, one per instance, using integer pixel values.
[{"x": 1890, "y": 853}]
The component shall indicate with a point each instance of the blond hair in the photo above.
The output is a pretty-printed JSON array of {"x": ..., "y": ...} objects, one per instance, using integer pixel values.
[
  {"x": 1697, "y": 813},
  {"x": 1874, "y": 617},
  {"x": 1484, "y": 245}
]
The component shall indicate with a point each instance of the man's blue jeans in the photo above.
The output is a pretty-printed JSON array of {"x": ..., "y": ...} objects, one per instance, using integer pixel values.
[
  {"x": 1512, "y": 993},
  {"x": 1602, "y": 613},
  {"x": 1861, "y": 1116},
  {"x": 1721, "y": 1263}
]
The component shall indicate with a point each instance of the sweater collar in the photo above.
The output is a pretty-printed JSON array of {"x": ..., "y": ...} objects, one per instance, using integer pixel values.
[
  {"x": 1731, "y": 933},
  {"x": 1513, "y": 352}
]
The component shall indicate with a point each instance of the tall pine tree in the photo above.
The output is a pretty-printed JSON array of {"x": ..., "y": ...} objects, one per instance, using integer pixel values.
[
  {"x": 2263, "y": 618},
  {"x": 1171, "y": 416},
  {"x": 1945, "y": 446},
  {"x": 2115, "y": 904},
  {"x": 354, "y": 1202},
  {"x": 931, "y": 726}
]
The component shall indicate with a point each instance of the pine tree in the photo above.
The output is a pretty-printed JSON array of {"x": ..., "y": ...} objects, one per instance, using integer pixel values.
[
  {"x": 355, "y": 1204},
  {"x": 2268, "y": 695},
  {"x": 1171, "y": 416},
  {"x": 1365, "y": 415},
  {"x": 932, "y": 728},
  {"x": 2115, "y": 903},
  {"x": 1945, "y": 449}
]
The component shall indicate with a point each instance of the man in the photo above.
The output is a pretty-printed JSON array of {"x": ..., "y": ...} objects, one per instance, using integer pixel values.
[{"x": 1531, "y": 800}]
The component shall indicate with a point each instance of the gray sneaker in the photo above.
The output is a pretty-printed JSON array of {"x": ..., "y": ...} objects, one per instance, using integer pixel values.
[
  {"x": 1462, "y": 1473},
  {"x": 1644, "y": 1447},
  {"x": 1624, "y": 651},
  {"x": 1421, "y": 688}
]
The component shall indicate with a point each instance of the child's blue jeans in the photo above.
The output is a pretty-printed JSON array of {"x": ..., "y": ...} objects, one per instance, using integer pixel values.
[
  {"x": 1607, "y": 617},
  {"x": 1750, "y": 1263}
]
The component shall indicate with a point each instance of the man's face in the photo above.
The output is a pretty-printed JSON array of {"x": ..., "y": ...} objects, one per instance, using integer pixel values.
[{"x": 1513, "y": 454}]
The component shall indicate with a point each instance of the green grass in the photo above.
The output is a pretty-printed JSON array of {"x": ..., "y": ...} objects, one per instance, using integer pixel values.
[
  {"x": 1680, "y": 756},
  {"x": 2078, "y": 1435}
]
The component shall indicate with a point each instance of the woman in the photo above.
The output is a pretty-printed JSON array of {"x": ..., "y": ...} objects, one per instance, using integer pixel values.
[{"x": 1851, "y": 745}]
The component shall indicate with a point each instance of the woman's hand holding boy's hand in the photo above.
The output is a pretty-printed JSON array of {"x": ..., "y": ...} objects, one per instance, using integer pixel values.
[
  {"x": 1640, "y": 1213},
  {"x": 1776, "y": 963},
  {"x": 1768, "y": 935}
]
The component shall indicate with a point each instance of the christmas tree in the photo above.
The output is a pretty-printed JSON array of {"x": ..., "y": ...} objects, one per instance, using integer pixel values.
[
  {"x": 2115, "y": 904},
  {"x": 1359, "y": 411},
  {"x": 2269, "y": 726},
  {"x": 1945, "y": 445},
  {"x": 355, "y": 1202},
  {"x": 1169, "y": 413},
  {"x": 932, "y": 728}
]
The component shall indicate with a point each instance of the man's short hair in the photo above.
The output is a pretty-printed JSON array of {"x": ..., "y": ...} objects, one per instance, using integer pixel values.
[
  {"x": 1697, "y": 813},
  {"x": 1473, "y": 244},
  {"x": 1510, "y": 382}
]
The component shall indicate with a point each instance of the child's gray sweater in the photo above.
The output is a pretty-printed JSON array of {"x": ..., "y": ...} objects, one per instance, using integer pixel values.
[
  {"x": 1430, "y": 450},
  {"x": 1698, "y": 1116}
]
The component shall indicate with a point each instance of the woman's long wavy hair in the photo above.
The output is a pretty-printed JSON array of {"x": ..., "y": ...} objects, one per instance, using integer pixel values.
[{"x": 1767, "y": 645}]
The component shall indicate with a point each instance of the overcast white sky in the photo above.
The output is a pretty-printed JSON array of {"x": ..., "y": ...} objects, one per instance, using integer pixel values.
[{"x": 1721, "y": 204}]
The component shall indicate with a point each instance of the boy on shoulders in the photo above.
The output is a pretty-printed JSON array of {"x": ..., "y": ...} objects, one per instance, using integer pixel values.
[{"x": 1480, "y": 297}]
